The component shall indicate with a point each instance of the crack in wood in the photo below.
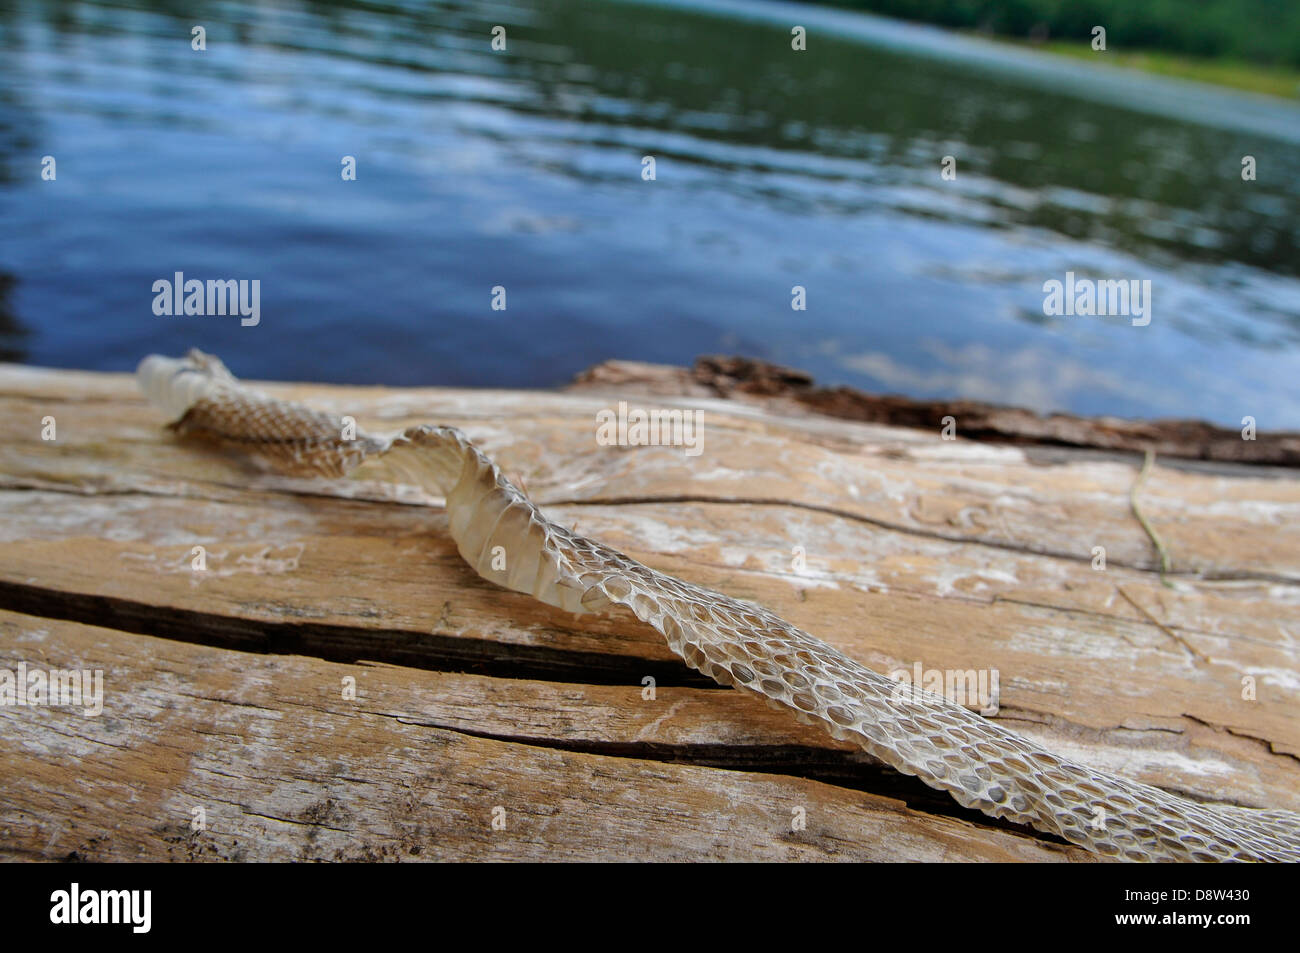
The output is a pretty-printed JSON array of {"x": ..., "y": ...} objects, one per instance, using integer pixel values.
[
  {"x": 851, "y": 770},
  {"x": 1191, "y": 575},
  {"x": 347, "y": 644}
]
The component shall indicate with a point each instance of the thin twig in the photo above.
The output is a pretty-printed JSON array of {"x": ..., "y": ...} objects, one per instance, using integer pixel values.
[
  {"x": 1195, "y": 653},
  {"x": 1165, "y": 562}
]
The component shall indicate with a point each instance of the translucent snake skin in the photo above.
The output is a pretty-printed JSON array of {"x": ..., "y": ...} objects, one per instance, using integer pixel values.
[{"x": 981, "y": 764}]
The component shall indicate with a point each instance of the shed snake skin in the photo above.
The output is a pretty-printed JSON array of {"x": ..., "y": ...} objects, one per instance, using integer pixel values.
[{"x": 981, "y": 764}]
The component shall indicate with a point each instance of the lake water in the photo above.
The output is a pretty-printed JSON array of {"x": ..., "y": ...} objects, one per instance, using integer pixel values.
[{"x": 523, "y": 169}]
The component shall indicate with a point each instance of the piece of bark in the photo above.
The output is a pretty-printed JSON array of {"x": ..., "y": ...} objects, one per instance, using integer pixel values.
[{"x": 753, "y": 379}]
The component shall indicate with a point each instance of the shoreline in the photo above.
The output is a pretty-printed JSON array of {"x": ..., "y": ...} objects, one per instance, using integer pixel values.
[{"x": 1277, "y": 82}]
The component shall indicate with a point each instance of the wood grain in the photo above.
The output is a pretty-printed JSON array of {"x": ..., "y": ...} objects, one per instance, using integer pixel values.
[{"x": 952, "y": 554}]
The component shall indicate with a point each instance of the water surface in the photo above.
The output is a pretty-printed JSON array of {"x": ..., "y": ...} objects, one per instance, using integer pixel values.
[{"x": 523, "y": 169}]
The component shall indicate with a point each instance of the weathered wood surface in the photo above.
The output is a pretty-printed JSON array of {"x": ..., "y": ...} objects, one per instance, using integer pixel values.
[
  {"x": 783, "y": 389},
  {"x": 223, "y": 690}
]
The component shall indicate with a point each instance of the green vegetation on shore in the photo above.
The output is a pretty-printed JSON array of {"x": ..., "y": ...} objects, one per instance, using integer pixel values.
[
  {"x": 1270, "y": 80},
  {"x": 1252, "y": 45},
  {"x": 1274, "y": 81}
]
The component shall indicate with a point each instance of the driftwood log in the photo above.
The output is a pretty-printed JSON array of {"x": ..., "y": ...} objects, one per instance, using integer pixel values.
[{"x": 337, "y": 684}]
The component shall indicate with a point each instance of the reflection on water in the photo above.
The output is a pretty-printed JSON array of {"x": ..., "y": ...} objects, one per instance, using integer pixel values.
[{"x": 522, "y": 169}]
